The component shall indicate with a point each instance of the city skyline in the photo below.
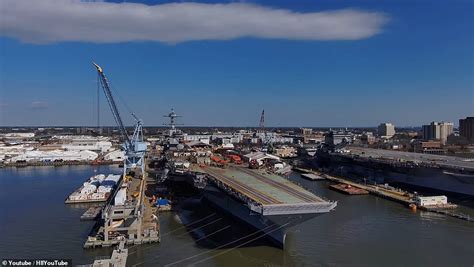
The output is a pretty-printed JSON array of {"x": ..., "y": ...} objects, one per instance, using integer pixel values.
[{"x": 378, "y": 62}]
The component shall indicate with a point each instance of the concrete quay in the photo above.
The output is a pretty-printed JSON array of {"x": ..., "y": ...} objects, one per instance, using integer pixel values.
[
  {"x": 135, "y": 221},
  {"x": 393, "y": 194}
]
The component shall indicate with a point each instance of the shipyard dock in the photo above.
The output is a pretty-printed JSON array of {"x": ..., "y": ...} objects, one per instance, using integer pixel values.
[
  {"x": 389, "y": 193},
  {"x": 267, "y": 193},
  {"x": 128, "y": 217}
]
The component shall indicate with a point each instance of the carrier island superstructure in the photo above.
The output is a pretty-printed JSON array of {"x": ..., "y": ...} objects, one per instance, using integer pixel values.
[
  {"x": 264, "y": 200},
  {"x": 245, "y": 186}
]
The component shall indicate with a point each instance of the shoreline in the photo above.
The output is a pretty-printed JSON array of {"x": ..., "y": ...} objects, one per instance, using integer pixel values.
[{"x": 57, "y": 164}]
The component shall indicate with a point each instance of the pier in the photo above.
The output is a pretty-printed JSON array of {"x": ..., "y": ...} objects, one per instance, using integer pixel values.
[
  {"x": 393, "y": 194},
  {"x": 134, "y": 221},
  {"x": 92, "y": 213},
  {"x": 118, "y": 258}
]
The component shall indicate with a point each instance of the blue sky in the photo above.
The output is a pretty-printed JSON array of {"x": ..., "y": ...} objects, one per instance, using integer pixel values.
[{"x": 415, "y": 67}]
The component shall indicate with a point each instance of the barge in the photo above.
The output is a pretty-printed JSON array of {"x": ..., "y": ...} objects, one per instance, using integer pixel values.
[{"x": 97, "y": 188}]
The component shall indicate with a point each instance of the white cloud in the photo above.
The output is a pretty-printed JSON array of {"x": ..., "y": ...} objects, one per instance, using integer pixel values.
[{"x": 49, "y": 21}]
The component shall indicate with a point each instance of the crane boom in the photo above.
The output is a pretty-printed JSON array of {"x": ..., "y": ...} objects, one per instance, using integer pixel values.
[
  {"x": 113, "y": 106},
  {"x": 134, "y": 146}
]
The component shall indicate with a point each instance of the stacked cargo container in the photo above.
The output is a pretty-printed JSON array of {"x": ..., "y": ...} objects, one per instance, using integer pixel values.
[{"x": 97, "y": 188}]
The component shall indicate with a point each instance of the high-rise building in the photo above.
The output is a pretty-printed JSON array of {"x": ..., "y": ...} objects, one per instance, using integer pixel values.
[
  {"x": 386, "y": 130},
  {"x": 438, "y": 131},
  {"x": 307, "y": 131},
  {"x": 466, "y": 128}
]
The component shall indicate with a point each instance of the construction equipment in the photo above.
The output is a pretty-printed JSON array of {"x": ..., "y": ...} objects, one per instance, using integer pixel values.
[
  {"x": 261, "y": 125},
  {"x": 218, "y": 161},
  {"x": 133, "y": 146},
  {"x": 265, "y": 136},
  {"x": 235, "y": 159},
  {"x": 253, "y": 164}
]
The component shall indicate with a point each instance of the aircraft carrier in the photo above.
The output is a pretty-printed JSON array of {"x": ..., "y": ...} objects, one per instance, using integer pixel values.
[
  {"x": 446, "y": 174},
  {"x": 265, "y": 201}
]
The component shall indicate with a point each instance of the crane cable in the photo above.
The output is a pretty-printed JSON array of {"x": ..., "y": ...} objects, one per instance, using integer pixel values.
[{"x": 124, "y": 103}]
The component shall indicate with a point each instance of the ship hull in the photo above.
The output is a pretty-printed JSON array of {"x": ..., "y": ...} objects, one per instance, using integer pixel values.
[
  {"x": 272, "y": 227},
  {"x": 436, "y": 179}
]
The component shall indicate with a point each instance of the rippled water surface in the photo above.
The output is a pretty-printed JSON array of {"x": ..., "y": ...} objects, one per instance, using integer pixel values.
[{"x": 362, "y": 231}]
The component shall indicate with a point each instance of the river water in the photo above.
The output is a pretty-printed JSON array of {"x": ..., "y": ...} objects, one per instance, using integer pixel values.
[{"x": 362, "y": 231}]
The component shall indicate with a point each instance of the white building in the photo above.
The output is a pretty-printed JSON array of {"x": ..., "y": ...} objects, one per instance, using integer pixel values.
[
  {"x": 13, "y": 151},
  {"x": 260, "y": 157},
  {"x": 229, "y": 138},
  {"x": 274, "y": 138},
  {"x": 18, "y": 135},
  {"x": 205, "y": 138},
  {"x": 431, "y": 201},
  {"x": 342, "y": 137},
  {"x": 55, "y": 155},
  {"x": 386, "y": 130},
  {"x": 117, "y": 155},
  {"x": 98, "y": 146},
  {"x": 438, "y": 131}
]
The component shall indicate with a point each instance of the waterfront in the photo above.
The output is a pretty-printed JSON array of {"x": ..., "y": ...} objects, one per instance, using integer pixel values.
[{"x": 362, "y": 231}]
